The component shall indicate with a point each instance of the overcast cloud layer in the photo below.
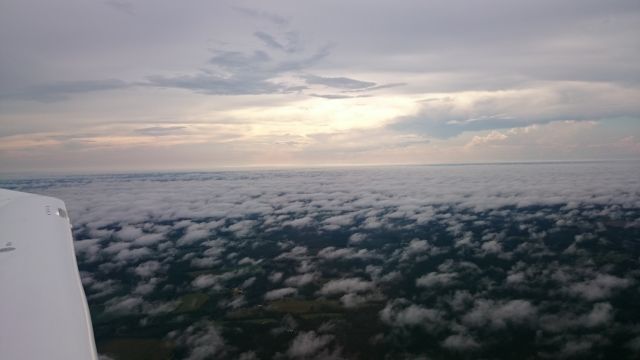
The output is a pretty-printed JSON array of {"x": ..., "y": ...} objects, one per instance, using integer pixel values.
[{"x": 199, "y": 84}]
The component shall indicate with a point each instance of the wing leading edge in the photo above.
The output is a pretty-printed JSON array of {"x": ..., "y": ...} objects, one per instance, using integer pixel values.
[{"x": 43, "y": 308}]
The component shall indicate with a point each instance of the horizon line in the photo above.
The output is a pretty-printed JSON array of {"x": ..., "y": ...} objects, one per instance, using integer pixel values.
[{"x": 278, "y": 167}]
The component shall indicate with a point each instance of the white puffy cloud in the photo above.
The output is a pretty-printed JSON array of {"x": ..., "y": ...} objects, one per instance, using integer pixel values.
[
  {"x": 193, "y": 234},
  {"x": 332, "y": 253},
  {"x": 88, "y": 249},
  {"x": 296, "y": 253},
  {"x": 601, "y": 287},
  {"x": 147, "y": 269},
  {"x": 280, "y": 293},
  {"x": 301, "y": 280},
  {"x": 276, "y": 277},
  {"x": 148, "y": 239},
  {"x": 204, "y": 281},
  {"x": 201, "y": 340},
  {"x": 584, "y": 345},
  {"x": 100, "y": 289},
  {"x": 146, "y": 287},
  {"x": 243, "y": 228},
  {"x": 498, "y": 314},
  {"x": 247, "y": 261},
  {"x": 348, "y": 285},
  {"x": 357, "y": 238},
  {"x": 435, "y": 279},
  {"x": 352, "y": 300},
  {"x": 124, "y": 305},
  {"x": 300, "y": 222},
  {"x": 492, "y": 247},
  {"x": 306, "y": 344},
  {"x": 515, "y": 278},
  {"x": 134, "y": 254},
  {"x": 416, "y": 247},
  {"x": 601, "y": 314},
  {"x": 248, "y": 282},
  {"x": 634, "y": 344},
  {"x": 338, "y": 221},
  {"x": 459, "y": 342},
  {"x": 402, "y": 313},
  {"x": 129, "y": 233},
  {"x": 204, "y": 263}
]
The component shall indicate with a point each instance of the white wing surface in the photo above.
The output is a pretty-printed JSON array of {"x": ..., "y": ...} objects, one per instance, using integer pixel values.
[{"x": 43, "y": 309}]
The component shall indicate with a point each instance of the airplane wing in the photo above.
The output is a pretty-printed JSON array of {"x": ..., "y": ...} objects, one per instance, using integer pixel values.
[{"x": 43, "y": 309}]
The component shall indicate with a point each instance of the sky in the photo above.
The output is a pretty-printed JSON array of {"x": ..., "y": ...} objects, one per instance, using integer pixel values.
[{"x": 167, "y": 85}]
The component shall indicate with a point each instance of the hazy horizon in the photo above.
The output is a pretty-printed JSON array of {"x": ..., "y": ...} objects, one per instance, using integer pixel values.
[{"x": 275, "y": 168}]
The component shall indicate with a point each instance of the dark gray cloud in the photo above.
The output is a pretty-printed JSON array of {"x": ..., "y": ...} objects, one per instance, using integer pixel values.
[
  {"x": 238, "y": 61},
  {"x": 377, "y": 87},
  {"x": 209, "y": 84},
  {"x": 304, "y": 62},
  {"x": 452, "y": 126},
  {"x": 269, "y": 40},
  {"x": 447, "y": 117},
  {"x": 263, "y": 15},
  {"x": 235, "y": 73},
  {"x": 241, "y": 73},
  {"x": 63, "y": 90},
  {"x": 338, "y": 82},
  {"x": 227, "y": 72},
  {"x": 124, "y": 7},
  {"x": 290, "y": 45},
  {"x": 161, "y": 130},
  {"x": 337, "y": 96}
]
